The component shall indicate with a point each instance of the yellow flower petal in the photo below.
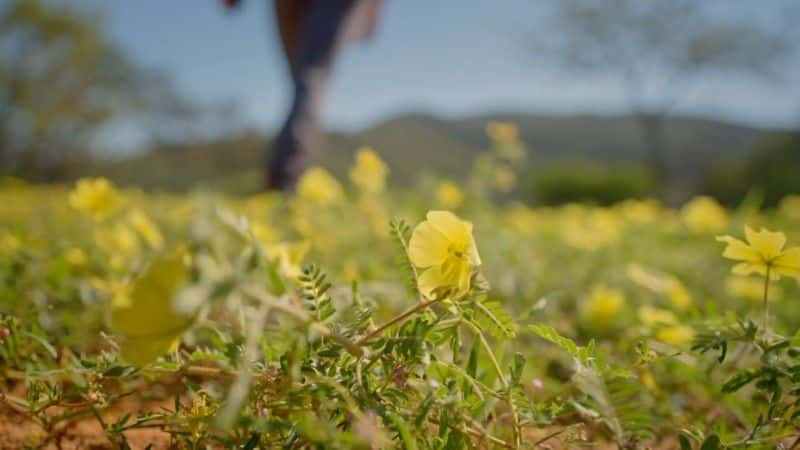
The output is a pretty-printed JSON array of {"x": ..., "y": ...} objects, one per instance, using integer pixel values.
[
  {"x": 428, "y": 246},
  {"x": 142, "y": 314},
  {"x": 431, "y": 279},
  {"x": 747, "y": 268},
  {"x": 788, "y": 263},
  {"x": 677, "y": 335},
  {"x": 767, "y": 243},
  {"x": 738, "y": 250},
  {"x": 457, "y": 231}
]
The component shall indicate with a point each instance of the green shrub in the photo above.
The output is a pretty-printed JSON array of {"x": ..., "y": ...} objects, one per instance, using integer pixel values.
[
  {"x": 583, "y": 181},
  {"x": 773, "y": 170}
]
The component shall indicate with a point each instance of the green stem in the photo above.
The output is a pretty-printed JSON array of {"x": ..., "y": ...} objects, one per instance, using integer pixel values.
[
  {"x": 397, "y": 319},
  {"x": 766, "y": 300},
  {"x": 496, "y": 365}
]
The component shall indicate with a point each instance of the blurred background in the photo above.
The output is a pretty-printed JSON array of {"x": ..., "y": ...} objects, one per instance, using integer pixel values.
[{"x": 613, "y": 99}]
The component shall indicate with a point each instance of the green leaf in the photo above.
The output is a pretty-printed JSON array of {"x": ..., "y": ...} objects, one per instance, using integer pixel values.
[
  {"x": 472, "y": 363},
  {"x": 711, "y": 443},
  {"x": 400, "y": 425},
  {"x": 252, "y": 442},
  {"x": 516, "y": 368},
  {"x": 684, "y": 441},
  {"x": 740, "y": 380},
  {"x": 582, "y": 354},
  {"x": 114, "y": 371},
  {"x": 492, "y": 317}
]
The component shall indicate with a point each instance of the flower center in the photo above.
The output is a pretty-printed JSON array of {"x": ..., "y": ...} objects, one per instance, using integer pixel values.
[{"x": 457, "y": 252}]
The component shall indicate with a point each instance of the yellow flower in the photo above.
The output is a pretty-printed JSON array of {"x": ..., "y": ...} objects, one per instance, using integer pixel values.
[
  {"x": 119, "y": 239},
  {"x": 369, "y": 172},
  {"x": 443, "y": 247},
  {"x": 142, "y": 313},
  {"x": 9, "y": 245},
  {"x": 264, "y": 233},
  {"x": 120, "y": 243},
  {"x": 750, "y": 289},
  {"x": 704, "y": 215},
  {"x": 318, "y": 186},
  {"x": 522, "y": 218},
  {"x": 76, "y": 257},
  {"x": 506, "y": 142},
  {"x": 640, "y": 211},
  {"x": 651, "y": 316},
  {"x": 677, "y": 335},
  {"x": 504, "y": 179},
  {"x": 449, "y": 195},
  {"x": 146, "y": 228},
  {"x": 604, "y": 305},
  {"x": 667, "y": 285},
  {"x": 289, "y": 256},
  {"x": 763, "y": 253},
  {"x": 590, "y": 230},
  {"x": 678, "y": 295},
  {"x": 96, "y": 197},
  {"x": 503, "y": 132}
]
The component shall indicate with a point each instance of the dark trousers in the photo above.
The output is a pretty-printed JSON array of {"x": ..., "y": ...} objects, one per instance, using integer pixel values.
[{"x": 310, "y": 43}]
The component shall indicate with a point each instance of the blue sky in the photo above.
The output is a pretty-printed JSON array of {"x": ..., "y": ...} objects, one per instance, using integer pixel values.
[{"x": 444, "y": 57}]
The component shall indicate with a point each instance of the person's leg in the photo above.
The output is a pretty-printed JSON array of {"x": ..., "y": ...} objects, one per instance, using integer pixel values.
[{"x": 318, "y": 39}]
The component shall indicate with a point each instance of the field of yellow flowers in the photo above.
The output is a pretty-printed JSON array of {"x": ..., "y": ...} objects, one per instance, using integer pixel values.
[{"x": 352, "y": 315}]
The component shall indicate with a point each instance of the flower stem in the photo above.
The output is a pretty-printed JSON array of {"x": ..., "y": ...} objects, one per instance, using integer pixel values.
[
  {"x": 499, "y": 371},
  {"x": 766, "y": 300},
  {"x": 399, "y": 318}
]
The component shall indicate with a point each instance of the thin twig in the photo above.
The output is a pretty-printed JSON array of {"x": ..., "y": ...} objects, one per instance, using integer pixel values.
[{"x": 397, "y": 319}]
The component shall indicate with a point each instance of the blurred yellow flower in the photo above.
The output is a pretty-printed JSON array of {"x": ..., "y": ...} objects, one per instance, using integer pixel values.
[
  {"x": 264, "y": 233},
  {"x": 750, "y": 289},
  {"x": 118, "y": 239},
  {"x": 142, "y": 313},
  {"x": 369, "y": 172},
  {"x": 506, "y": 143},
  {"x": 120, "y": 243},
  {"x": 763, "y": 254},
  {"x": 704, "y": 215},
  {"x": 676, "y": 335},
  {"x": 146, "y": 229},
  {"x": 504, "y": 179},
  {"x": 651, "y": 316},
  {"x": 316, "y": 185},
  {"x": 96, "y": 197},
  {"x": 9, "y": 245},
  {"x": 449, "y": 195},
  {"x": 678, "y": 295},
  {"x": 589, "y": 229},
  {"x": 502, "y": 132},
  {"x": 603, "y": 305},
  {"x": 76, "y": 257},
  {"x": 667, "y": 285},
  {"x": 289, "y": 256},
  {"x": 640, "y": 211},
  {"x": 522, "y": 218},
  {"x": 444, "y": 248}
]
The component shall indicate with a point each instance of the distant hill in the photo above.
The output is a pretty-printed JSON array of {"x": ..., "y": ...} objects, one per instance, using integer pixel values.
[{"x": 415, "y": 143}]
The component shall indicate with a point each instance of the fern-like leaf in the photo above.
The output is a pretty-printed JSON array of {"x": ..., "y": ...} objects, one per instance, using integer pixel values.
[{"x": 314, "y": 291}]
